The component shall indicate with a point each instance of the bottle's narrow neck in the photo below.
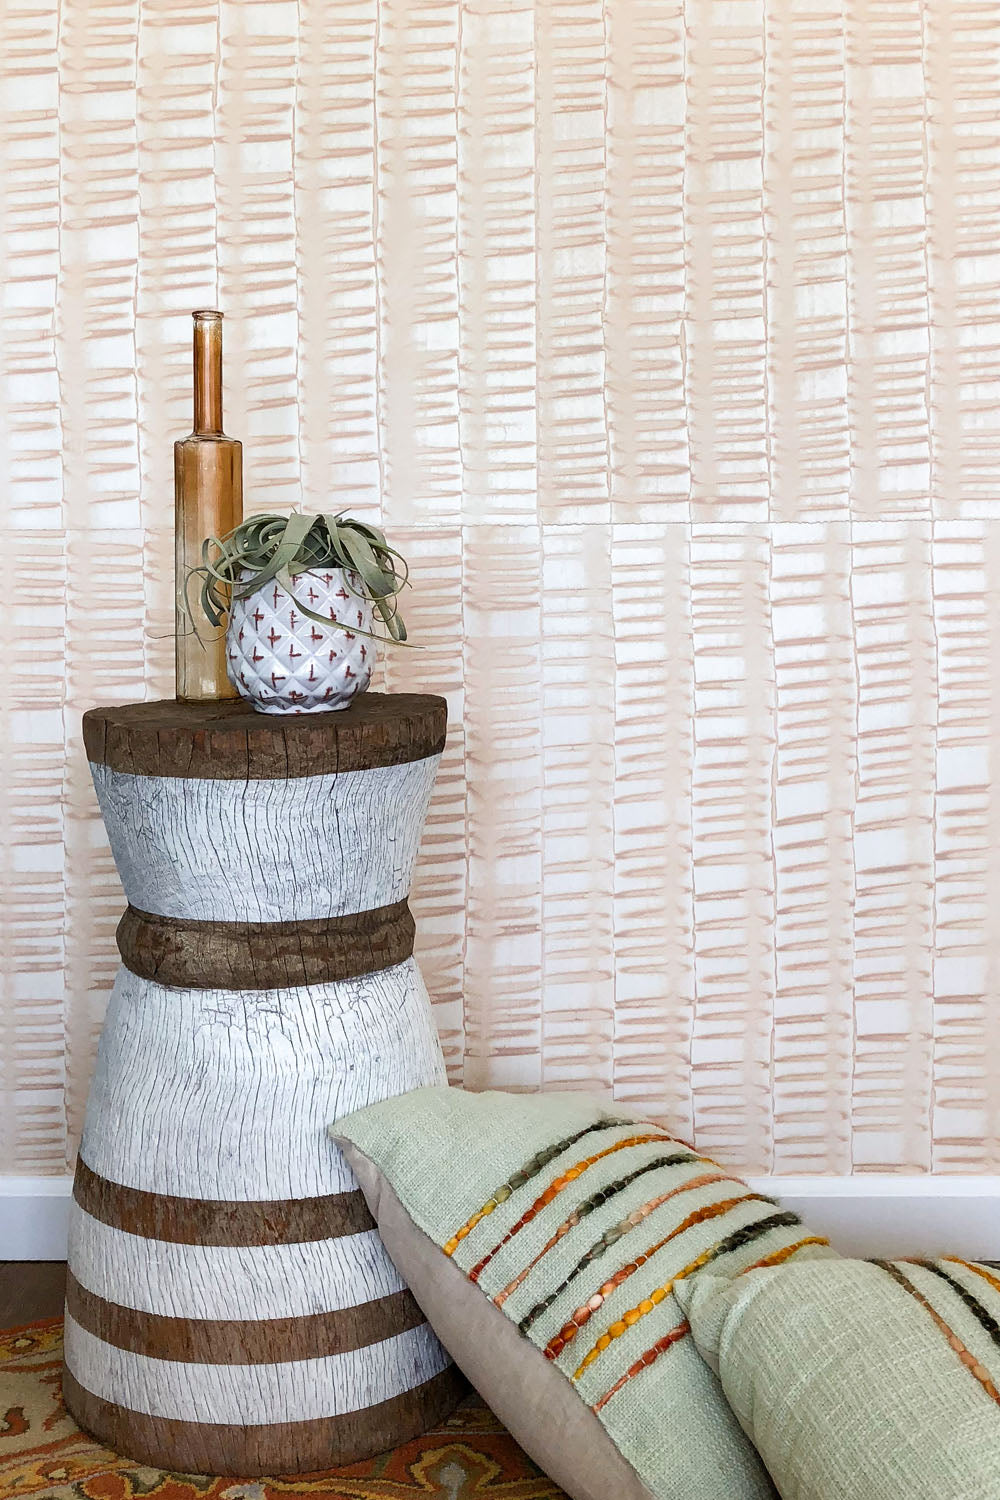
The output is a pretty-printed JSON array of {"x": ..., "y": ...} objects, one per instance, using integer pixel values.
[{"x": 208, "y": 372}]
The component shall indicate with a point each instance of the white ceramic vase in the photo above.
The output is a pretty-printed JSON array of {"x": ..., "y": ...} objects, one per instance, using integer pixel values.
[{"x": 283, "y": 662}]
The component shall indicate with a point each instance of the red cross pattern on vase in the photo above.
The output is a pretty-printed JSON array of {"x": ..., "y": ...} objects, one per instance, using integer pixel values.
[{"x": 285, "y": 663}]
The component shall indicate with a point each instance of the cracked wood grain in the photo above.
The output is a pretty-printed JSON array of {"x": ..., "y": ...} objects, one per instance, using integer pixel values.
[{"x": 223, "y": 1267}]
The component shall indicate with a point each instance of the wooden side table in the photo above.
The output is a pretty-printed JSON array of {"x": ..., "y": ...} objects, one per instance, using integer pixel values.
[{"x": 230, "y": 1308}]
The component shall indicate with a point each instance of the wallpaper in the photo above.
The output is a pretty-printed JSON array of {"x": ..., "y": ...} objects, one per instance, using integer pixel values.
[{"x": 666, "y": 340}]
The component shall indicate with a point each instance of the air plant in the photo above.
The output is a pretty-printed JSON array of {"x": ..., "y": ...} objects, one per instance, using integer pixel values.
[{"x": 282, "y": 548}]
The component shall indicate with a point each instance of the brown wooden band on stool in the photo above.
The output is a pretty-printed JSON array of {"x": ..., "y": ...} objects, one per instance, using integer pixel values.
[
  {"x": 263, "y": 955},
  {"x": 221, "y": 1448},
  {"x": 205, "y": 1221},
  {"x": 231, "y": 1341},
  {"x": 230, "y": 741}
]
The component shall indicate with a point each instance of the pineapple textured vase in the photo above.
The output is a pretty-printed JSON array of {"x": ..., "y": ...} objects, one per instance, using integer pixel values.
[
  {"x": 230, "y": 1308},
  {"x": 283, "y": 662}
]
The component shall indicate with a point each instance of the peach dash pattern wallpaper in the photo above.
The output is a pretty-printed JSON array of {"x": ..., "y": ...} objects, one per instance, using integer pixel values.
[{"x": 666, "y": 340}]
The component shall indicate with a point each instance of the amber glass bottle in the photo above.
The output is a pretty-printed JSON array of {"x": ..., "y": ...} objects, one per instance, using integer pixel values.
[{"x": 208, "y": 495}]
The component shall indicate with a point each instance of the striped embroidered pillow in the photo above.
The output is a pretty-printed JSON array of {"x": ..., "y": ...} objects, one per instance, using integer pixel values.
[
  {"x": 862, "y": 1380},
  {"x": 545, "y": 1237}
]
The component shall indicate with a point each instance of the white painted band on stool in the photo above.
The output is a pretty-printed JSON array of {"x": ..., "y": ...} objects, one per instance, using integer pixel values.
[
  {"x": 297, "y": 1390},
  {"x": 245, "y": 1083},
  {"x": 210, "y": 1281},
  {"x": 232, "y": 851}
]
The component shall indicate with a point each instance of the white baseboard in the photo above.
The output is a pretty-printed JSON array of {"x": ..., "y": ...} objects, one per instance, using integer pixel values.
[
  {"x": 886, "y": 1215},
  {"x": 34, "y": 1215},
  {"x": 863, "y": 1215}
]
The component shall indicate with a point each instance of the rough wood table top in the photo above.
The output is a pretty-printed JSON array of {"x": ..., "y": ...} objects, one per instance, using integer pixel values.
[{"x": 230, "y": 741}]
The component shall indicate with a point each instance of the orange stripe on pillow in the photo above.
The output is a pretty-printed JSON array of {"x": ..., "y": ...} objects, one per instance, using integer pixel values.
[
  {"x": 735, "y": 1241},
  {"x": 585, "y": 1312},
  {"x": 531, "y": 1168},
  {"x": 631, "y": 1221},
  {"x": 641, "y": 1309},
  {"x": 650, "y": 1357},
  {"x": 778, "y": 1257},
  {"x": 971, "y": 1265},
  {"x": 969, "y": 1360},
  {"x": 552, "y": 1191}
]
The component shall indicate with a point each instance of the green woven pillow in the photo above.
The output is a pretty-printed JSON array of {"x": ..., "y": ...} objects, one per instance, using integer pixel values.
[
  {"x": 862, "y": 1380},
  {"x": 544, "y": 1237}
]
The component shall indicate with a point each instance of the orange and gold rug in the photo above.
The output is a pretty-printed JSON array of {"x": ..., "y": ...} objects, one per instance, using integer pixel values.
[{"x": 44, "y": 1454}]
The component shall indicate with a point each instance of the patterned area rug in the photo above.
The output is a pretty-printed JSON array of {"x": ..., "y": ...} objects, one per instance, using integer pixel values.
[{"x": 43, "y": 1452}]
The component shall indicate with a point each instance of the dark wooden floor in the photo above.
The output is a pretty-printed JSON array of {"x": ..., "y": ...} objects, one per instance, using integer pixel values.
[{"x": 30, "y": 1289}]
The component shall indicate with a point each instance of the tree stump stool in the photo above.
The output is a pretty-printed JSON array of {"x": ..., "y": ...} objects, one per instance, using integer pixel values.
[{"x": 230, "y": 1307}]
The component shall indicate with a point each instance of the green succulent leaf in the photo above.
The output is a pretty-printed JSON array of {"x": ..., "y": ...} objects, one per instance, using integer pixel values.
[{"x": 267, "y": 547}]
